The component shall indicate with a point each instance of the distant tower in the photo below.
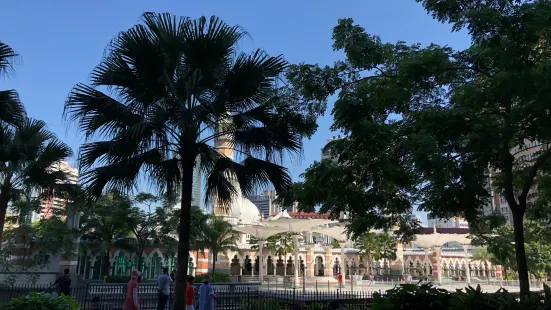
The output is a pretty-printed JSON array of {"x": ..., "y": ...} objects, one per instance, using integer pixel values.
[{"x": 224, "y": 147}]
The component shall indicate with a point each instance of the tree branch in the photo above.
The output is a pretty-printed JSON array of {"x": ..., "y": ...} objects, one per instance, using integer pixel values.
[{"x": 508, "y": 159}]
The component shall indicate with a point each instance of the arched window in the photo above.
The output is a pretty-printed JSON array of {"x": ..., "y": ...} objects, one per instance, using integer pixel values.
[
  {"x": 155, "y": 266},
  {"x": 121, "y": 265}
]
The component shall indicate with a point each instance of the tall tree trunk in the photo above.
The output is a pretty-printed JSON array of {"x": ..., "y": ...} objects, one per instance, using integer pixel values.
[
  {"x": 105, "y": 266},
  {"x": 3, "y": 209},
  {"x": 213, "y": 262},
  {"x": 522, "y": 265},
  {"x": 184, "y": 230}
]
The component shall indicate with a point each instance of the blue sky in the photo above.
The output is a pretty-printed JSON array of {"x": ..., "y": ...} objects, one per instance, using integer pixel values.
[{"x": 60, "y": 41}]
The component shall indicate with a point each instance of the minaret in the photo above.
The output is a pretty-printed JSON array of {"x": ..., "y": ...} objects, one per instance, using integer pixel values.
[{"x": 224, "y": 147}]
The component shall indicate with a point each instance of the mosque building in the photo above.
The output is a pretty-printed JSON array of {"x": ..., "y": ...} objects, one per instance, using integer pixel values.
[{"x": 318, "y": 258}]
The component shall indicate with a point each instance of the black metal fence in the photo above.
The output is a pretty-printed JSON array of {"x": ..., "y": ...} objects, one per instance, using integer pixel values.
[{"x": 111, "y": 297}]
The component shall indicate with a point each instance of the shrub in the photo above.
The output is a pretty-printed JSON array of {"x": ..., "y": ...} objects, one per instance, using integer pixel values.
[
  {"x": 412, "y": 297},
  {"x": 417, "y": 297},
  {"x": 42, "y": 301},
  {"x": 217, "y": 277}
]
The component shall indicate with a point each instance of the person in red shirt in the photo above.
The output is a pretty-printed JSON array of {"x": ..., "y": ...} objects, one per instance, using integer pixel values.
[
  {"x": 340, "y": 279},
  {"x": 190, "y": 293}
]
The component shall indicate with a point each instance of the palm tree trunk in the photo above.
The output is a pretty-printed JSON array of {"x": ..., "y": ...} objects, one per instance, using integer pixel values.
[
  {"x": 213, "y": 262},
  {"x": 105, "y": 266},
  {"x": 3, "y": 209},
  {"x": 184, "y": 230}
]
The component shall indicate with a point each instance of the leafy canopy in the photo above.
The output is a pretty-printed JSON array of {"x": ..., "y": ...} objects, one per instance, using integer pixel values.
[{"x": 421, "y": 125}]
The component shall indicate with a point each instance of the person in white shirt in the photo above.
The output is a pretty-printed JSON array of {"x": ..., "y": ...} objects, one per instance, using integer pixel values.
[{"x": 164, "y": 283}]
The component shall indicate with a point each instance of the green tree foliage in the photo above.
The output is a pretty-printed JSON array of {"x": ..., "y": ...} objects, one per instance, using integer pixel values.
[
  {"x": 143, "y": 224},
  {"x": 34, "y": 243},
  {"x": 169, "y": 218},
  {"x": 500, "y": 247},
  {"x": 104, "y": 226},
  {"x": 27, "y": 154},
  {"x": 423, "y": 124},
  {"x": 375, "y": 246},
  {"x": 219, "y": 237},
  {"x": 279, "y": 244},
  {"x": 178, "y": 86}
]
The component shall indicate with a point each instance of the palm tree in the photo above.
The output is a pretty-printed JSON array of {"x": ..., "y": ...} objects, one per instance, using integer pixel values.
[
  {"x": 104, "y": 227},
  {"x": 482, "y": 255},
  {"x": 29, "y": 151},
  {"x": 218, "y": 237},
  {"x": 387, "y": 247},
  {"x": 180, "y": 90},
  {"x": 369, "y": 245},
  {"x": 11, "y": 110},
  {"x": 278, "y": 244}
]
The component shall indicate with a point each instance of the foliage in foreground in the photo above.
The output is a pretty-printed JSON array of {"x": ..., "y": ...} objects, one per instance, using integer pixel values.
[
  {"x": 42, "y": 301},
  {"x": 423, "y": 125},
  {"x": 426, "y": 296}
]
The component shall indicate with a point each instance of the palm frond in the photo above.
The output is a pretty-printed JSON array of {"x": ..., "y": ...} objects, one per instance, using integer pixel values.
[
  {"x": 97, "y": 113},
  {"x": 248, "y": 175},
  {"x": 7, "y": 56},
  {"x": 209, "y": 47},
  {"x": 251, "y": 80},
  {"x": 11, "y": 109}
]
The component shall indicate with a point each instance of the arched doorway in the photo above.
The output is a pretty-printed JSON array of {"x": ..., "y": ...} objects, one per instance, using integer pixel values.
[
  {"x": 336, "y": 267},
  {"x": 270, "y": 266},
  {"x": 235, "y": 266},
  {"x": 319, "y": 266}
]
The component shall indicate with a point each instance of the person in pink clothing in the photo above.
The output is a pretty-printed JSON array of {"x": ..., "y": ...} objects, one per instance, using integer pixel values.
[{"x": 132, "y": 302}]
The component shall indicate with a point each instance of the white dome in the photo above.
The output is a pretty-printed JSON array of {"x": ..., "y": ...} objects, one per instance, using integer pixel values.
[{"x": 244, "y": 210}]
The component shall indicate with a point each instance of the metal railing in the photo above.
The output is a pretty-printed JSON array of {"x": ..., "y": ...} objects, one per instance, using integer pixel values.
[{"x": 227, "y": 296}]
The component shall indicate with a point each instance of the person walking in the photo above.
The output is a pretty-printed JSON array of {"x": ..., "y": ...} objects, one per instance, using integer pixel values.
[
  {"x": 206, "y": 294},
  {"x": 132, "y": 302},
  {"x": 190, "y": 293},
  {"x": 340, "y": 279},
  {"x": 163, "y": 286},
  {"x": 63, "y": 284}
]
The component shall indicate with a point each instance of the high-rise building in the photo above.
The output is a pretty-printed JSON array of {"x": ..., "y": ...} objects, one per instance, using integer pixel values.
[
  {"x": 524, "y": 154},
  {"x": 197, "y": 190},
  {"x": 53, "y": 203},
  {"x": 265, "y": 203}
]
